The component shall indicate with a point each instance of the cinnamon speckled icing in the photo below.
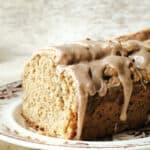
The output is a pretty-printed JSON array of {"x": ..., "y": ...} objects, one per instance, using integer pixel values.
[{"x": 86, "y": 61}]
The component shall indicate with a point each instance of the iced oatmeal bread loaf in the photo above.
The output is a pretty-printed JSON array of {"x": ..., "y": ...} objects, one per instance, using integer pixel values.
[{"x": 89, "y": 89}]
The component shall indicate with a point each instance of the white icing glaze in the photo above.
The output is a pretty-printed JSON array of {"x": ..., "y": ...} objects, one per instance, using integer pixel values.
[
  {"x": 121, "y": 65},
  {"x": 84, "y": 51},
  {"x": 142, "y": 59},
  {"x": 88, "y": 76},
  {"x": 89, "y": 86}
]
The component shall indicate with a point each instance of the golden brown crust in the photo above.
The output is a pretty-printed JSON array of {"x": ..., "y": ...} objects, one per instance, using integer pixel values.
[
  {"x": 42, "y": 130},
  {"x": 141, "y": 36},
  {"x": 102, "y": 115},
  {"x": 105, "y": 111},
  {"x": 32, "y": 124}
]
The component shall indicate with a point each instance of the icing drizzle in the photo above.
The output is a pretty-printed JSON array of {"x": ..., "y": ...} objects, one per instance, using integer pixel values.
[{"x": 87, "y": 60}]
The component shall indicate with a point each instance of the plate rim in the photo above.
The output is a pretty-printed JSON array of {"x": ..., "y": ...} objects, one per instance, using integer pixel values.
[{"x": 135, "y": 143}]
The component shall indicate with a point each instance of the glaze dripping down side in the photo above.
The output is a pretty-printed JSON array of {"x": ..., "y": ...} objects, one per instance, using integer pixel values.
[
  {"x": 91, "y": 84},
  {"x": 88, "y": 72}
]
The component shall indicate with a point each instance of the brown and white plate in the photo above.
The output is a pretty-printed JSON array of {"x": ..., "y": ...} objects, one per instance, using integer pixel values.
[{"x": 13, "y": 129}]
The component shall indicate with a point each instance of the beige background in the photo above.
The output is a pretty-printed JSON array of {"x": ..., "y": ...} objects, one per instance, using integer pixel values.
[{"x": 28, "y": 25}]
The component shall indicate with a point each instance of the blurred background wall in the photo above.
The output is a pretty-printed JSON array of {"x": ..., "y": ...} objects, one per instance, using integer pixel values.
[{"x": 28, "y": 25}]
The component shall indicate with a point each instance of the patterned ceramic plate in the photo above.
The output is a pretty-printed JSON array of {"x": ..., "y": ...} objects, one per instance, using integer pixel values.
[{"x": 14, "y": 130}]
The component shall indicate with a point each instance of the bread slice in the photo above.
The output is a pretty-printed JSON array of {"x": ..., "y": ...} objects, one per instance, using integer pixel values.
[{"x": 89, "y": 89}]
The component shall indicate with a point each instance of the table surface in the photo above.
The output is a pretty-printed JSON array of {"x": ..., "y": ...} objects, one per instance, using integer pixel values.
[{"x": 27, "y": 26}]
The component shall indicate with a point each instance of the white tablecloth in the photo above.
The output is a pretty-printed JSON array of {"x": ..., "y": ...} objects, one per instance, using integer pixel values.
[{"x": 26, "y": 26}]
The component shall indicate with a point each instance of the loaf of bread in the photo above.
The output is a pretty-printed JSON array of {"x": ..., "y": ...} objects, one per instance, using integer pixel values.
[{"x": 89, "y": 89}]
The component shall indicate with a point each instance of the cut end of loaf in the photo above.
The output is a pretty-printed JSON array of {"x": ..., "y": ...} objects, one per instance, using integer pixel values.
[
  {"x": 49, "y": 98},
  {"x": 59, "y": 81}
]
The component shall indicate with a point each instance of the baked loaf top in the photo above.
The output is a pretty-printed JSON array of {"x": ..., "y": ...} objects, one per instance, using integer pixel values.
[{"x": 98, "y": 65}]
